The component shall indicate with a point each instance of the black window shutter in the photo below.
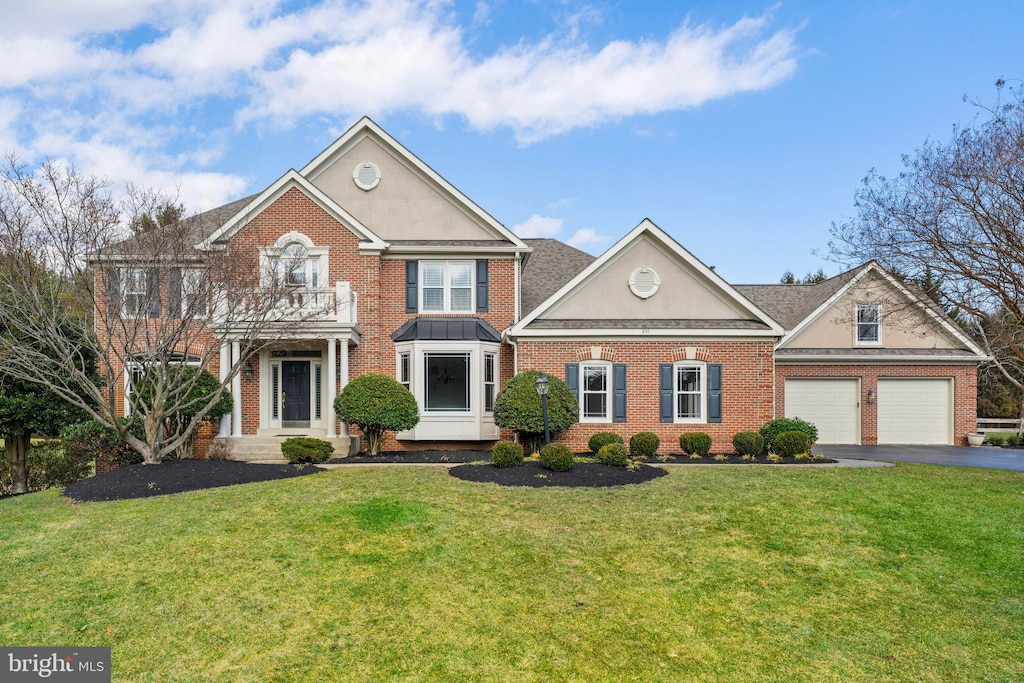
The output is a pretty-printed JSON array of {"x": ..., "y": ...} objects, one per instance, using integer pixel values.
[
  {"x": 572, "y": 378},
  {"x": 714, "y": 392},
  {"x": 481, "y": 285},
  {"x": 665, "y": 378},
  {"x": 153, "y": 287},
  {"x": 174, "y": 292},
  {"x": 113, "y": 291},
  {"x": 412, "y": 291},
  {"x": 618, "y": 392}
]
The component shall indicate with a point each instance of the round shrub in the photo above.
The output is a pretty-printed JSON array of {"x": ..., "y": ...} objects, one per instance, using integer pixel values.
[
  {"x": 518, "y": 407},
  {"x": 748, "y": 443},
  {"x": 695, "y": 443},
  {"x": 644, "y": 444},
  {"x": 602, "y": 439},
  {"x": 791, "y": 443},
  {"x": 377, "y": 404},
  {"x": 507, "y": 454},
  {"x": 306, "y": 449},
  {"x": 773, "y": 428},
  {"x": 613, "y": 454},
  {"x": 556, "y": 457}
]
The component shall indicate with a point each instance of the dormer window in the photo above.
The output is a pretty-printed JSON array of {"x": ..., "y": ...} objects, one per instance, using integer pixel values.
[{"x": 868, "y": 324}]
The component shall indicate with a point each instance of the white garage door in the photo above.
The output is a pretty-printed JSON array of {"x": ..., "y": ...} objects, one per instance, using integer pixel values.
[
  {"x": 914, "y": 411},
  {"x": 830, "y": 404}
]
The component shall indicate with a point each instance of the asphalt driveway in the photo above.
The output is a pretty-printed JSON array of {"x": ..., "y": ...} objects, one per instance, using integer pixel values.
[{"x": 988, "y": 457}]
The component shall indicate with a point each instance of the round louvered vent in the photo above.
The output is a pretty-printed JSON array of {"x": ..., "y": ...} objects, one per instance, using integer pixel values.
[
  {"x": 644, "y": 282},
  {"x": 366, "y": 175}
]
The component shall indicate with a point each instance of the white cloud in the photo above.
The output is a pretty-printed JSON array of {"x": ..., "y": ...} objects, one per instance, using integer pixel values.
[
  {"x": 586, "y": 237},
  {"x": 538, "y": 226},
  {"x": 112, "y": 84}
]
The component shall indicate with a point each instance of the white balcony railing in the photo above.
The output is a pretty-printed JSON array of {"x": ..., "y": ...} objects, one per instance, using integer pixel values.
[{"x": 336, "y": 304}]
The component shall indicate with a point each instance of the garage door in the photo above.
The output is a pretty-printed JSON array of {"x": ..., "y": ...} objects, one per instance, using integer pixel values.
[
  {"x": 830, "y": 404},
  {"x": 914, "y": 411}
]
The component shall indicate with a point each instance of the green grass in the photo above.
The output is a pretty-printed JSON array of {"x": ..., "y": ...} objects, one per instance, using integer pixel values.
[{"x": 908, "y": 573}]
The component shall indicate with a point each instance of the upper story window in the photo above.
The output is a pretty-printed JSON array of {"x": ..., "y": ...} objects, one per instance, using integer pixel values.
[
  {"x": 135, "y": 292},
  {"x": 869, "y": 324},
  {"x": 446, "y": 286},
  {"x": 690, "y": 392},
  {"x": 295, "y": 268},
  {"x": 595, "y": 392},
  {"x": 195, "y": 293}
]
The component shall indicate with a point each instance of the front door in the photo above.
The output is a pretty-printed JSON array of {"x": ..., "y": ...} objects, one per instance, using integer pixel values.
[{"x": 295, "y": 393}]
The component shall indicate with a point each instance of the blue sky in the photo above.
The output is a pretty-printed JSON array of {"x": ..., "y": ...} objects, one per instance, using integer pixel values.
[{"x": 741, "y": 128}]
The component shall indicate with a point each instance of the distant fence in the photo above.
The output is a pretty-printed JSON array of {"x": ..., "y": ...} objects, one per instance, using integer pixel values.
[{"x": 997, "y": 424}]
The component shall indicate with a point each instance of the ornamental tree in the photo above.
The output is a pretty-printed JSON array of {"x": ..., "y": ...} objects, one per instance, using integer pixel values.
[
  {"x": 377, "y": 404},
  {"x": 189, "y": 389},
  {"x": 518, "y": 407}
]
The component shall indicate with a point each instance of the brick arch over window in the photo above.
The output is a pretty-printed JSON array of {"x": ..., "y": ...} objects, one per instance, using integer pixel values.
[
  {"x": 691, "y": 353},
  {"x": 595, "y": 353}
]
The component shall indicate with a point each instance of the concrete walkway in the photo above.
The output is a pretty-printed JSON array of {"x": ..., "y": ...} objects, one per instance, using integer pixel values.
[{"x": 988, "y": 457}]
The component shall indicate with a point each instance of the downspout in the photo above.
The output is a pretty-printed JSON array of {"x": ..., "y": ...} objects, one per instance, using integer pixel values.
[{"x": 518, "y": 266}]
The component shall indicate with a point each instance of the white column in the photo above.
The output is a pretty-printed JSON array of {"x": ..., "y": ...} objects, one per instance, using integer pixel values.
[
  {"x": 343, "y": 362},
  {"x": 225, "y": 363},
  {"x": 332, "y": 387},
  {"x": 236, "y": 391}
]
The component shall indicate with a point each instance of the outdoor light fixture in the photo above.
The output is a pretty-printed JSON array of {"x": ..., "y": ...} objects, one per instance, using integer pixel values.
[
  {"x": 542, "y": 389},
  {"x": 247, "y": 371},
  {"x": 871, "y": 395}
]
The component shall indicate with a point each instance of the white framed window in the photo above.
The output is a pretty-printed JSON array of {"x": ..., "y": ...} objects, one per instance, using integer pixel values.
[
  {"x": 405, "y": 370},
  {"x": 195, "y": 293},
  {"x": 869, "y": 324},
  {"x": 446, "y": 286},
  {"x": 490, "y": 381},
  {"x": 690, "y": 392},
  {"x": 446, "y": 382},
  {"x": 135, "y": 372},
  {"x": 595, "y": 392},
  {"x": 134, "y": 292},
  {"x": 294, "y": 261}
]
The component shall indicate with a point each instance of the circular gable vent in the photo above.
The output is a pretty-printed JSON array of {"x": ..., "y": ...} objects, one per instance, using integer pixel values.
[
  {"x": 644, "y": 282},
  {"x": 366, "y": 175}
]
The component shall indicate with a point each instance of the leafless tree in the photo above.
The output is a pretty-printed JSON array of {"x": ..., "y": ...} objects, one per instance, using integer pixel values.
[
  {"x": 956, "y": 214},
  {"x": 148, "y": 302}
]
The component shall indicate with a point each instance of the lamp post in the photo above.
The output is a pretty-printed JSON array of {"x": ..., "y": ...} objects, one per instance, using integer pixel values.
[{"x": 542, "y": 389}]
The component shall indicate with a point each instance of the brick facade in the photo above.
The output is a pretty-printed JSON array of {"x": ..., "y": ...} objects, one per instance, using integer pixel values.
[
  {"x": 965, "y": 390},
  {"x": 747, "y": 378}
]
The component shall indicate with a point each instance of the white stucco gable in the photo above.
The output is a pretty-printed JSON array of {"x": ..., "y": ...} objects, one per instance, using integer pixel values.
[
  {"x": 396, "y": 194},
  {"x": 647, "y": 282}
]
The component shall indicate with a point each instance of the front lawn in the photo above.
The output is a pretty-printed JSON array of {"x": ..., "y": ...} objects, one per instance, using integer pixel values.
[{"x": 757, "y": 573}]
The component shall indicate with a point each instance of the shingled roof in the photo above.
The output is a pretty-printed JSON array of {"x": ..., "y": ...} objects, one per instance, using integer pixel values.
[
  {"x": 790, "y": 304},
  {"x": 549, "y": 267}
]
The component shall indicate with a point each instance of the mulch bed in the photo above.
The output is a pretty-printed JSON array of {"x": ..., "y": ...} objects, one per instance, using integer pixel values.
[
  {"x": 439, "y": 457},
  {"x": 532, "y": 473},
  {"x": 178, "y": 476},
  {"x": 733, "y": 459}
]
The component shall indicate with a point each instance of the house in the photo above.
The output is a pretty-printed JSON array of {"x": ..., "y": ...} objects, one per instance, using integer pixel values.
[{"x": 410, "y": 278}]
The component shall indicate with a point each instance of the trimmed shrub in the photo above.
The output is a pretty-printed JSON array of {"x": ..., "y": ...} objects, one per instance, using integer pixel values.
[
  {"x": 602, "y": 439},
  {"x": 773, "y": 428},
  {"x": 518, "y": 407},
  {"x": 996, "y": 439},
  {"x": 792, "y": 443},
  {"x": 613, "y": 454},
  {"x": 644, "y": 444},
  {"x": 698, "y": 443},
  {"x": 90, "y": 439},
  {"x": 377, "y": 404},
  {"x": 49, "y": 466},
  {"x": 507, "y": 454},
  {"x": 306, "y": 449},
  {"x": 748, "y": 443},
  {"x": 556, "y": 457}
]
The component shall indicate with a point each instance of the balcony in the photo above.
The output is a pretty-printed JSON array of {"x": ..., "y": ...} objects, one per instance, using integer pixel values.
[{"x": 289, "y": 305}]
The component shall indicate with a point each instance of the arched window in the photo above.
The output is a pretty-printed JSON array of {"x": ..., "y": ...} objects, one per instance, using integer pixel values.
[{"x": 295, "y": 264}]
